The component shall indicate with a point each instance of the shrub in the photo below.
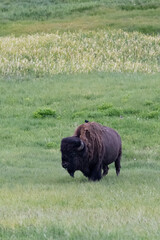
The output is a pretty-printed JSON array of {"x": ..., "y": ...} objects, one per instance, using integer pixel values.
[
  {"x": 42, "y": 113},
  {"x": 105, "y": 106},
  {"x": 50, "y": 145},
  {"x": 113, "y": 112},
  {"x": 131, "y": 111},
  {"x": 78, "y": 114},
  {"x": 153, "y": 114},
  {"x": 148, "y": 103}
]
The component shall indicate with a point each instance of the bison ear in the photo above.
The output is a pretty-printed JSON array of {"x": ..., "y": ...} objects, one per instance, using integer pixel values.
[{"x": 81, "y": 147}]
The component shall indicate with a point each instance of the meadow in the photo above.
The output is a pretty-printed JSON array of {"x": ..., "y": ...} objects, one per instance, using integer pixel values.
[
  {"x": 39, "y": 200},
  {"x": 56, "y": 70},
  {"x": 108, "y": 51}
]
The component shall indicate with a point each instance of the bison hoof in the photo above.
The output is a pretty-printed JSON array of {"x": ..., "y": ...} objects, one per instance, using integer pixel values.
[{"x": 118, "y": 172}]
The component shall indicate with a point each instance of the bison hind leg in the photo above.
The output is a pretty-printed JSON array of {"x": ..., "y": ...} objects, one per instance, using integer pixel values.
[{"x": 117, "y": 164}]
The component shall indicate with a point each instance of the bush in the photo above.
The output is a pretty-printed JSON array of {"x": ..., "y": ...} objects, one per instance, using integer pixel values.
[
  {"x": 78, "y": 114},
  {"x": 51, "y": 145},
  {"x": 105, "y": 106},
  {"x": 153, "y": 114},
  {"x": 42, "y": 113},
  {"x": 113, "y": 112}
]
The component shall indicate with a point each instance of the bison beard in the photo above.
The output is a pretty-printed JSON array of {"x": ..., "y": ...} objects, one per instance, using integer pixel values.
[{"x": 92, "y": 148}]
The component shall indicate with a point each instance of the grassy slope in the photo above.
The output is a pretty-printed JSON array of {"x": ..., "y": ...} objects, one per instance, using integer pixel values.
[
  {"x": 36, "y": 16},
  {"x": 38, "y": 198}
]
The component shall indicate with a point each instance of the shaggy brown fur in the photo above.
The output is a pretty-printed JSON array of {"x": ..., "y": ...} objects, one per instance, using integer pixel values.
[{"x": 91, "y": 134}]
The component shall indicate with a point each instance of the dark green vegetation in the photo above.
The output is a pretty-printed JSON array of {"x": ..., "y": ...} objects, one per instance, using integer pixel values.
[
  {"x": 28, "y": 17},
  {"x": 46, "y": 112},
  {"x": 39, "y": 200}
]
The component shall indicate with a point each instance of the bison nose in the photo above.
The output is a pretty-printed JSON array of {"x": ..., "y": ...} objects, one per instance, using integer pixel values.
[{"x": 64, "y": 165}]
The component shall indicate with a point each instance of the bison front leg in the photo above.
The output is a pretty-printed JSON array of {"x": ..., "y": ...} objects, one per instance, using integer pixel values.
[
  {"x": 96, "y": 174},
  {"x": 105, "y": 170}
]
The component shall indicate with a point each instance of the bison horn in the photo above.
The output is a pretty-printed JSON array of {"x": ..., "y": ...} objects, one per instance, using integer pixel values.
[{"x": 80, "y": 148}]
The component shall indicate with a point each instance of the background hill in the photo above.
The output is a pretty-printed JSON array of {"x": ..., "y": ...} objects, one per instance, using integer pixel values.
[{"x": 23, "y": 17}]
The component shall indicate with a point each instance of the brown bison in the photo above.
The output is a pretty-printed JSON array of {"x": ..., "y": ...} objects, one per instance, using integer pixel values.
[{"x": 92, "y": 148}]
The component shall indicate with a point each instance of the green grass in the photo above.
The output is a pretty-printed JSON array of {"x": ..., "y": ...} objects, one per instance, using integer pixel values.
[
  {"x": 38, "y": 107},
  {"x": 38, "y": 199},
  {"x": 29, "y": 17}
]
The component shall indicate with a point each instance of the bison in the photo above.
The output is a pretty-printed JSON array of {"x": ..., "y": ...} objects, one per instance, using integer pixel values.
[{"x": 91, "y": 149}]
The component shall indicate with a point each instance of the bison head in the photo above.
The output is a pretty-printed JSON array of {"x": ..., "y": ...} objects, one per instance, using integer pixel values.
[{"x": 72, "y": 149}]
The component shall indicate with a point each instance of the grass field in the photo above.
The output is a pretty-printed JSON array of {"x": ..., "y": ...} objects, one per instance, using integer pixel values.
[
  {"x": 62, "y": 62},
  {"x": 39, "y": 200}
]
